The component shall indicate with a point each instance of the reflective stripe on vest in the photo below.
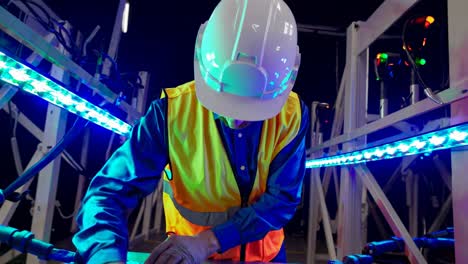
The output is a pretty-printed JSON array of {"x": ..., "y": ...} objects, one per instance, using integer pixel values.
[{"x": 200, "y": 218}]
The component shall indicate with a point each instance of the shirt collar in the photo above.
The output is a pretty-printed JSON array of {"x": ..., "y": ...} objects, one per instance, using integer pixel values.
[{"x": 216, "y": 116}]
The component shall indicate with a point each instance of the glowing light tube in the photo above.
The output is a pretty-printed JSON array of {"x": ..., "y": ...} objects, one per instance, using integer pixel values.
[
  {"x": 18, "y": 74},
  {"x": 443, "y": 139}
]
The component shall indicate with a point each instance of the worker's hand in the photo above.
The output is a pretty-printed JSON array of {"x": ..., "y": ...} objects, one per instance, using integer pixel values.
[{"x": 185, "y": 249}]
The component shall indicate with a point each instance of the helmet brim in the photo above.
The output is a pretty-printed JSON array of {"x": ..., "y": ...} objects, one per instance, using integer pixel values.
[{"x": 237, "y": 107}]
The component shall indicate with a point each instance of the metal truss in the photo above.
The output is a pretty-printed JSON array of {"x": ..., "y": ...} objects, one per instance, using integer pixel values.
[
  {"x": 357, "y": 181},
  {"x": 42, "y": 43}
]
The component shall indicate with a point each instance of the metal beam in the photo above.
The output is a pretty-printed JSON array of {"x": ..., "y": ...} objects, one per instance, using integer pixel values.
[
  {"x": 140, "y": 105},
  {"x": 8, "y": 208},
  {"x": 412, "y": 201},
  {"x": 443, "y": 171},
  {"x": 325, "y": 216},
  {"x": 30, "y": 126},
  {"x": 382, "y": 18},
  {"x": 6, "y": 94},
  {"x": 41, "y": 3},
  {"x": 450, "y": 95},
  {"x": 8, "y": 91},
  {"x": 159, "y": 213},
  {"x": 316, "y": 191},
  {"x": 25, "y": 121},
  {"x": 458, "y": 41},
  {"x": 81, "y": 178},
  {"x": 443, "y": 212},
  {"x": 332, "y": 31},
  {"x": 136, "y": 225},
  {"x": 349, "y": 224},
  {"x": 313, "y": 213},
  {"x": 115, "y": 40},
  {"x": 9, "y": 255},
  {"x": 385, "y": 206},
  {"x": 46, "y": 190}
]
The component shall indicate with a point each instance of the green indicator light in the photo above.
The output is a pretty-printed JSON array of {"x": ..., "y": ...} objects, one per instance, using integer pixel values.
[{"x": 421, "y": 61}]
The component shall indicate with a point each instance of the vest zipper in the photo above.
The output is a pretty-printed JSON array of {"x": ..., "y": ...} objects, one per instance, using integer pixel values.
[
  {"x": 243, "y": 248},
  {"x": 244, "y": 197}
]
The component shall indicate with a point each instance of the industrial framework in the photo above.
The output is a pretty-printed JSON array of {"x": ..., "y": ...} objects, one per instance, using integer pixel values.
[
  {"x": 351, "y": 152},
  {"x": 49, "y": 38}
]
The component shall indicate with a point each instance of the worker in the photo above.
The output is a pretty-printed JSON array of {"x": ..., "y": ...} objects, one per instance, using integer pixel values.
[{"x": 230, "y": 147}]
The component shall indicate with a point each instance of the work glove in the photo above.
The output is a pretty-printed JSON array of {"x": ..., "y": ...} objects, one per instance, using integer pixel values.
[{"x": 184, "y": 249}]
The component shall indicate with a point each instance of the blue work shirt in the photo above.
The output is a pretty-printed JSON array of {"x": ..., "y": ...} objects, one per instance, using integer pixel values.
[{"x": 134, "y": 170}]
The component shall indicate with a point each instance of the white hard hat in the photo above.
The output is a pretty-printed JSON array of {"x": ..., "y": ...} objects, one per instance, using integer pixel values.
[{"x": 246, "y": 59}]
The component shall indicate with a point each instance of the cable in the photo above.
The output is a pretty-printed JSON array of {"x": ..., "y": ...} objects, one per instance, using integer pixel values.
[
  {"x": 9, "y": 192},
  {"x": 71, "y": 161},
  {"x": 51, "y": 27},
  {"x": 114, "y": 64},
  {"x": 58, "y": 206},
  {"x": 358, "y": 259},
  {"x": 397, "y": 244},
  {"x": 50, "y": 23},
  {"x": 101, "y": 59},
  {"x": 13, "y": 140},
  {"x": 442, "y": 233},
  {"x": 427, "y": 90}
]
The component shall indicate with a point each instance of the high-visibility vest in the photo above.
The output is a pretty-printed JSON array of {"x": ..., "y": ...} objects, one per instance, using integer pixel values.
[{"x": 201, "y": 191}]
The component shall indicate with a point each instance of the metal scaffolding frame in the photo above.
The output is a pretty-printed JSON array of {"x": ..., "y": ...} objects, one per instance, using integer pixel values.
[
  {"x": 43, "y": 45},
  {"x": 351, "y": 113}
]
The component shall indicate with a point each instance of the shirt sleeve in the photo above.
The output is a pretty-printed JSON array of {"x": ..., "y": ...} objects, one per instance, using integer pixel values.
[
  {"x": 278, "y": 204},
  {"x": 131, "y": 173}
]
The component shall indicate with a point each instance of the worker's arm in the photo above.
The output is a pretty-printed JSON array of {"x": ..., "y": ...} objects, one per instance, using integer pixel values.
[
  {"x": 277, "y": 206},
  {"x": 131, "y": 173}
]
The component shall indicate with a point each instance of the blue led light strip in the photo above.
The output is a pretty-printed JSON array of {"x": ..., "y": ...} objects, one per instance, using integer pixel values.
[
  {"x": 443, "y": 139},
  {"x": 18, "y": 74}
]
